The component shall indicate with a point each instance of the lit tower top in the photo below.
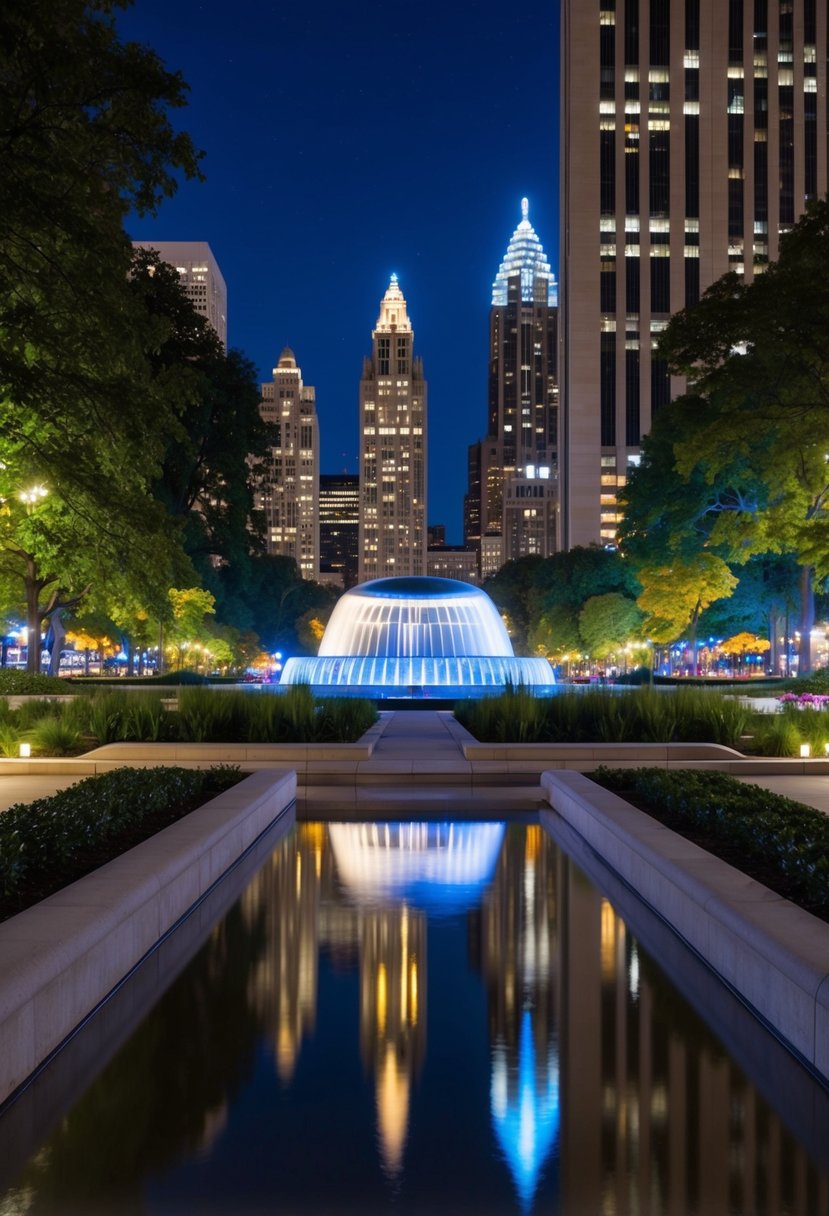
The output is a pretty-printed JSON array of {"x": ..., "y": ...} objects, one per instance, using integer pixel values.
[
  {"x": 393, "y": 315},
  {"x": 525, "y": 254}
]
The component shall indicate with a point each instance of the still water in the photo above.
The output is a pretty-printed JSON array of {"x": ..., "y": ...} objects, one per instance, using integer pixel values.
[{"x": 417, "y": 1018}]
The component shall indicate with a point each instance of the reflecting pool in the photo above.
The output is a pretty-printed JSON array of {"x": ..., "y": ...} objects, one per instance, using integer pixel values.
[{"x": 419, "y": 1018}]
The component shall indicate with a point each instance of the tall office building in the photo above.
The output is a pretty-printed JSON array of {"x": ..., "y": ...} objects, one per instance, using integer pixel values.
[
  {"x": 693, "y": 133},
  {"x": 512, "y": 472},
  {"x": 289, "y": 494},
  {"x": 339, "y": 512},
  {"x": 392, "y": 448},
  {"x": 200, "y": 276}
]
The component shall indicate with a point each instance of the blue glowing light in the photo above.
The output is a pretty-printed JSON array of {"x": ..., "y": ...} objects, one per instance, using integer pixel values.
[
  {"x": 525, "y": 256},
  {"x": 440, "y": 868},
  {"x": 524, "y": 1102},
  {"x": 429, "y": 634}
]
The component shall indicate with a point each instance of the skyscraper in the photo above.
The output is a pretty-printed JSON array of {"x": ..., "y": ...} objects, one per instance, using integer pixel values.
[
  {"x": 289, "y": 493},
  {"x": 339, "y": 513},
  {"x": 200, "y": 276},
  {"x": 693, "y": 133},
  {"x": 512, "y": 472},
  {"x": 392, "y": 448}
]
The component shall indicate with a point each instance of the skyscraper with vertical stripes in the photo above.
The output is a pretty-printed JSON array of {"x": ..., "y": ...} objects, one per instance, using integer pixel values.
[
  {"x": 694, "y": 132},
  {"x": 392, "y": 447}
]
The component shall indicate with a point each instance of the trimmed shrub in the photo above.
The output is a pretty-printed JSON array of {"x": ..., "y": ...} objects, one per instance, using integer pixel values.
[
  {"x": 54, "y": 841},
  {"x": 14, "y": 683},
  {"x": 782, "y": 843}
]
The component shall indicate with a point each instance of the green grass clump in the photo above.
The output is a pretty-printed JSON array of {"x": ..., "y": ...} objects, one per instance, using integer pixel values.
[
  {"x": 687, "y": 715},
  {"x": 782, "y": 843},
  {"x": 204, "y": 715},
  {"x": 51, "y": 736},
  {"x": 49, "y": 843}
]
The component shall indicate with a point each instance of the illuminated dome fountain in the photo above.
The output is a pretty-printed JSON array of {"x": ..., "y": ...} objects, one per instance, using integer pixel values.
[{"x": 401, "y": 636}]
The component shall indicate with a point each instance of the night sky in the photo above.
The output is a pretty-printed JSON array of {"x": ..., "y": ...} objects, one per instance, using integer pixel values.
[{"x": 345, "y": 142}]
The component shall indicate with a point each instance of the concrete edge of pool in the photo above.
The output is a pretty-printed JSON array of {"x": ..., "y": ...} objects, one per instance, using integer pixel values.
[
  {"x": 61, "y": 958},
  {"x": 771, "y": 953}
]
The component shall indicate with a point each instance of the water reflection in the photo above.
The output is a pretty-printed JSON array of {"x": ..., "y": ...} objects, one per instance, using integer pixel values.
[
  {"x": 520, "y": 962},
  {"x": 426, "y": 1018}
]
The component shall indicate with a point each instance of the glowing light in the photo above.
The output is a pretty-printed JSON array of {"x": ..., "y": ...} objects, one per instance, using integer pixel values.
[
  {"x": 525, "y": 256},
  {"x": 25, "y": 750},
  {"x": 442, "y": 867},
  {"x": 524, "y": 1103},
  {"x": 406, "y": 633}
]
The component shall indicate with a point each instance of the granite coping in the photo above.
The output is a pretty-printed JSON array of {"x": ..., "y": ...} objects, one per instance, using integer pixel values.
[
  {"x": 774, "y": 955},
  {"x": 62, "y": 957}
]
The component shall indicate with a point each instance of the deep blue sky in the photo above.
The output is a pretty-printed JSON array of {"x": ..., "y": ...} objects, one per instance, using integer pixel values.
[{"x": 347, "y": 141}]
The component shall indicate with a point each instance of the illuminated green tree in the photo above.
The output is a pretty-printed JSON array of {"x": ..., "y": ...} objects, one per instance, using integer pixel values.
[
  {"x": 757, "y": 356},
  {"x": 608, "y": 623}
]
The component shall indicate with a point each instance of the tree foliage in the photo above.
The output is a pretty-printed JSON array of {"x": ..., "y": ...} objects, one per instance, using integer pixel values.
[
  {"x": 609, "y": 622},
  {"x": 744, "y": 453},
  {"x": 84, "y": 137}
]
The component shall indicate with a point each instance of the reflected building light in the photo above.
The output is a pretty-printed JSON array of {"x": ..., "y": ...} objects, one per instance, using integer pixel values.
[
  {"x": 439, "y": 866},
  {"x": 633, "y": 972},
  {"x": 524, "y": 1103},
  {"x": 392, "y": 1098}
]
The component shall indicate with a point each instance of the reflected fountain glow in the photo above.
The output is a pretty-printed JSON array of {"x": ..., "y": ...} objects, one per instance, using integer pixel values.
[
  {"x": 397, "y": 635},
  {"x": 442, "y": 867}
]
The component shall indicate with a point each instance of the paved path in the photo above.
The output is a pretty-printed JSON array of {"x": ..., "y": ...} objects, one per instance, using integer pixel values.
[
  {"x": 813, "y": 791},
  {"x": 414, "y": 732},
  {"x": 27, "y": 789}
]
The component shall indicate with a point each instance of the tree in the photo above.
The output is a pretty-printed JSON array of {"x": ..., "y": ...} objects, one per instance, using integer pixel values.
[
  {"x": 84, "y": 137},
  {"x": 673, "y": 597},
  {"x": 607, "y": 623},
  {"x": 511, "y": 589},
  {"x": 743, "y": 644},
  {"x": 758, "y": 357}
]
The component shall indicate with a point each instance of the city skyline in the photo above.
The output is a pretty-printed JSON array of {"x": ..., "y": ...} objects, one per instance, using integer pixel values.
[{"x": 308, "y": 219}]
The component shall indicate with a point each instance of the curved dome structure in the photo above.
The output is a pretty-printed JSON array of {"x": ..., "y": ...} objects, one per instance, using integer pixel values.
[{"x": 397, "y": 635}]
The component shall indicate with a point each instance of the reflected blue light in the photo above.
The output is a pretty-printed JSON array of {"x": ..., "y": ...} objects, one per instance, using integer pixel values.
[
  {"x": 525, "y": 1110},
  {"x": 437, "y": 867}
]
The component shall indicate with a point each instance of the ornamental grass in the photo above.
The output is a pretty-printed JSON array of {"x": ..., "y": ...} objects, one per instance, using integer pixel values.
[{"x": 641, "y": 715}]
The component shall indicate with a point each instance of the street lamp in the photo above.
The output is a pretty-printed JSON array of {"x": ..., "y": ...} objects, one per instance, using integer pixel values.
[{"x": 31, "y": 496}]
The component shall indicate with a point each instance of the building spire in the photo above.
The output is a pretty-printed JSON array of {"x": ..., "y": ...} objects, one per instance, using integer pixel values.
[
  {"x": 525, "y": 256},
  {"x": 393, "y": 314}
]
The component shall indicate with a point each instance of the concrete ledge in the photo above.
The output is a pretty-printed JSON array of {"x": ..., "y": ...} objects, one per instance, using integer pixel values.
[
  {"x": 601, "y": 753},
  {"x": 62, "y": 957},
  {"x": 773, "y": 954}
]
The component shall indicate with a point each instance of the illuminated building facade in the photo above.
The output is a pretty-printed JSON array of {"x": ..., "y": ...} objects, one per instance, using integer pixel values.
[
  {"x": 521, "y": 440},
  {"x": 392, "y": 448},
  {"x": 339, "y": 514},
  {"x": 693, "y": 133},
  {"x": 289, "y": 495},
  {"x": 200, "y": 277},
  {"x": 452, "y": 561}
]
